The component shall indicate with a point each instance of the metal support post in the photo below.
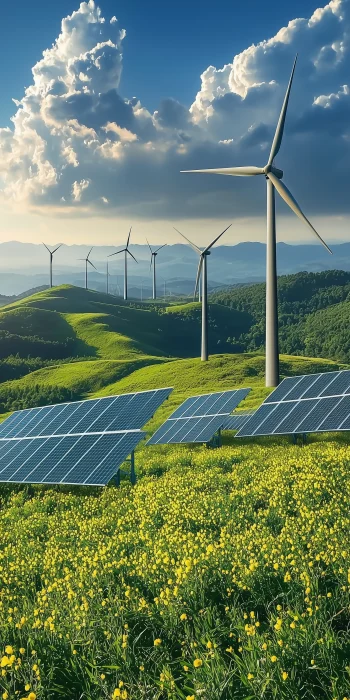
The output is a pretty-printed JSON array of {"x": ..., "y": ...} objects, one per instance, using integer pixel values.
[{"x": 132, "y": 468}]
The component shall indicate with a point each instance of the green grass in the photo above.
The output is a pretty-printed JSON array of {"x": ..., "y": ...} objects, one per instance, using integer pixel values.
[{"x": 82, "y": 378}]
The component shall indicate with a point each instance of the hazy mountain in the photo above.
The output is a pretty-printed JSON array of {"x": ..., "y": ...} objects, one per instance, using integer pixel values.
[{"x": 25, "y": 265}]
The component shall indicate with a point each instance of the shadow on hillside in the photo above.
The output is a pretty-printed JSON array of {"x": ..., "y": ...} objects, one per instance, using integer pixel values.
[{"x": 30, "y": 331}]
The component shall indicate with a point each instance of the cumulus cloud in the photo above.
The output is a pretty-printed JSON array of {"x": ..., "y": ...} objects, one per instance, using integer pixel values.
[{"x": 77, "y": 142}]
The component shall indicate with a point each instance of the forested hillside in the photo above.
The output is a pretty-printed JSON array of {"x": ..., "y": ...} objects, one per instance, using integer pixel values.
[{"x": 314, "y": 313}]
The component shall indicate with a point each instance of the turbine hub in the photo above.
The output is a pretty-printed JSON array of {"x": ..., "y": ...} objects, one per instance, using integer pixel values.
[{"x": 271, "y": 169}]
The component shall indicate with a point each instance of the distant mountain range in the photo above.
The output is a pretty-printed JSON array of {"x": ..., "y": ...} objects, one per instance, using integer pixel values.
[{"x": 25, "y": 265}]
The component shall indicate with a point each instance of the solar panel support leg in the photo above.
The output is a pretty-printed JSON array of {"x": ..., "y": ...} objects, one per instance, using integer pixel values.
[
  {"x": 132, "y": 468},
  {"x": 117, "y": 478}
]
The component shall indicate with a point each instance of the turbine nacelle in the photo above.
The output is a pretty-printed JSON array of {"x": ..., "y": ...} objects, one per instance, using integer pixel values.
[
  {"x": 275, "y": 171},
  {"x": 274, "y": 175}
]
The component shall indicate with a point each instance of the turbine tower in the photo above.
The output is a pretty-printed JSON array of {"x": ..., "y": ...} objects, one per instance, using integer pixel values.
[
  {"x": 107, "y": 279},
  {"x": 154, "y": 254},
  {"x": 86, "y": 266},
  {"x": 51, "y": 253},
  {"x": 126, "y": 252},
  {"x": 273, "y": 182},
  {"x": 202, "y": 269}
]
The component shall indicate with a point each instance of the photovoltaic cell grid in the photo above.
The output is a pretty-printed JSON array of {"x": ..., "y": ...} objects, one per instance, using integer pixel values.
[
  {"x": 82, "y": 442},
  {"x": 236, "y": 421},
  {"x": 90, "y": 460},
  {"x": 305, "y": 404},
  {"x": 123, "y": 412},
  {"x": 198, "y": 418}
]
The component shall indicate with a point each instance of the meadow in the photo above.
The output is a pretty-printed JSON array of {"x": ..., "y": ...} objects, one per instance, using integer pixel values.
[{"x": 223, "y": 574}]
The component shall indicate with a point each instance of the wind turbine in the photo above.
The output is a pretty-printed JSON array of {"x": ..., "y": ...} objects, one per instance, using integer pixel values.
[
  {"x": 154, "y": 254},
  {"x": 273, "y": 182},
  {"x": 51, "y": 253},
  {"x": 126, "y": 252},
  {"x": 202, "y": 269},
  {"x": 86, "y": 266}
]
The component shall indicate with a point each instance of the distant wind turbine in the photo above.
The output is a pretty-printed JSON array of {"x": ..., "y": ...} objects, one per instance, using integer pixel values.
[
  {"x": 51, "y": 253},
  {"x": 273, "y": 182},
  {"x": 86, "y": 266},
  {"x": 202, "y": 269},
  {"x": 126, "y": 252},
  {"x": 154, "y": 254}
]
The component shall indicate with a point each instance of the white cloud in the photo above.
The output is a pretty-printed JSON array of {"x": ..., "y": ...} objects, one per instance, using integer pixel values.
[
  {"x": 78, "y": 189},
  {"x": 73, "y": 132}
]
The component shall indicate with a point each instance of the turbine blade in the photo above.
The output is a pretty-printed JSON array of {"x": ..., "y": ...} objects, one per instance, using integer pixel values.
[
  {"x": 244, "y": 171},
  {"x": 48, "y": 249},
  {"x": 199, "y": 270},
  {"x": 198, "y": 250},
  {"x": 87, "y": 257},
  {"x": 129, "y": 237},
  {"x": 162, "y": 246},
  {"x": 149, "y": 246},
  {"x": 116, "y": 253},
  {"x": 92, "y": 264},
  {"x": 216, "y": 239},
  {"x": 59, "y": 246},
  {"x": 277, "y": 139},
  {"x": 283, "y": 191},
  {"x": 128, "y": 251}
]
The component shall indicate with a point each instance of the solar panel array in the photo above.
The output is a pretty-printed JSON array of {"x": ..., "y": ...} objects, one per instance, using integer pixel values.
[
  {"x": 198, "y": 418},
  {"x": 304, "y": 404},
  {"x": 82, "y": 442},
  {"x": 110, "y": 413},
  {"x": 236, "y": 421}
]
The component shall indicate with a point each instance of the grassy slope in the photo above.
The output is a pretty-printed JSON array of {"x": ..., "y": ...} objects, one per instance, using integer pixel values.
[
  {"x": 221, "y": 372},
  {"x": 82, "y": 378}
]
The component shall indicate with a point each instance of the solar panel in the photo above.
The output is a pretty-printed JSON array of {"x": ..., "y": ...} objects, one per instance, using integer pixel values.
[
  {"x": 305, "y": 404},
  {"x": 236, "y": 421},
  {"x": 125, "y": 411},
  {"x": 198, "y": 418},
  {"x": 219, "y": 403},
  {"x": 82, "y": 442},
  {"x": 90, "y": 460}
]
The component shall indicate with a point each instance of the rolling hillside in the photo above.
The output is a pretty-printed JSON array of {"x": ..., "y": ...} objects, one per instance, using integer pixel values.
[{"x": 85, "y": 342}]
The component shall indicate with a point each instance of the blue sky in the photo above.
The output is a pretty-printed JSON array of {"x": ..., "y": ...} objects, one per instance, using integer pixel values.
[
  {"x": 168, "y": 45},
  {"x": 80, "y": 149}
]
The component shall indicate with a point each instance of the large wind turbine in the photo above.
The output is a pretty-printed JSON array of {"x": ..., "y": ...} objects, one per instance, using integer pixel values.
[
  {"x": 86, "y": 266},
  {"x": 274, "y": 182},
  {"x": 202, "y": 268},
  {"x": 51, "y": 253},
  {"x": 126, "y": 252},
  {"x": 154, "y": 254}
]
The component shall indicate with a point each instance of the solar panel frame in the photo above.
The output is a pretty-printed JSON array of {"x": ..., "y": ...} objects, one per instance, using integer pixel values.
[
  {"x": 314, "y": 399},
  {"x": 23, "y": 465},
  {"x": 36, "y": 447},
  {"x": 53, "y": 419},
  {"x": 198, "y": 418}
]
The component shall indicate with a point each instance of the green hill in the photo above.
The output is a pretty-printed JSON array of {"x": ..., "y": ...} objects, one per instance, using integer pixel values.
[{"x": 89, "y": 318}]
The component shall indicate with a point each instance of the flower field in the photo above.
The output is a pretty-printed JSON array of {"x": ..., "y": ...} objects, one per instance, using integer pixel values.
[{"x": 224, "y": 574}]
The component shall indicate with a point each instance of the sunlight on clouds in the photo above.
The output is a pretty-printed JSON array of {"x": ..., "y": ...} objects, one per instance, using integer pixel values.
[{"x": 77, "y": 144}]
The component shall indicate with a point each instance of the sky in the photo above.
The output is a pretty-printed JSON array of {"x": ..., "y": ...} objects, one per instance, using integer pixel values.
[{"x": 104, "y": 104}]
